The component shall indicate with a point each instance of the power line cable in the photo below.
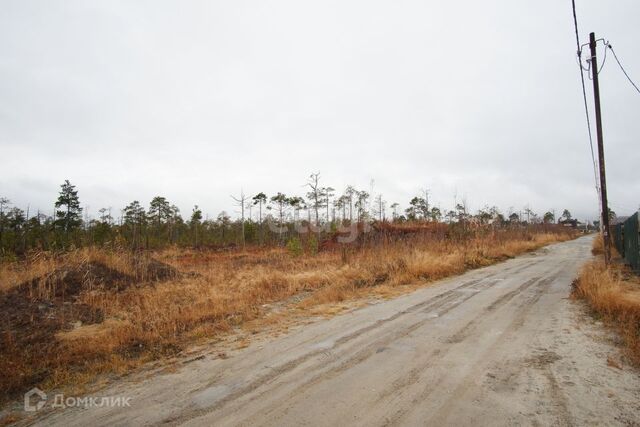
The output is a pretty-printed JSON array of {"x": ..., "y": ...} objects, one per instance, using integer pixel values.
[
  {"x": 584, "y": 95},
  {"x": 621, "y": 67}
]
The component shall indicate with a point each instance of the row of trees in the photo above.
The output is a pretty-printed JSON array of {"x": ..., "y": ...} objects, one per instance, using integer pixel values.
[{"x": 270, "y": 220}]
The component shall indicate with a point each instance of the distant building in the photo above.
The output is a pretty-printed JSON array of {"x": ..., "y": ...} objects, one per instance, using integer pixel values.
[{"x": 573, "y": 223}]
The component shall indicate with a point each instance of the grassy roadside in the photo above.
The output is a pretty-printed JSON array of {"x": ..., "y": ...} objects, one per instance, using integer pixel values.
[
  {"x": 69, "y": 319},
  {"x": 614, "y": 295}
]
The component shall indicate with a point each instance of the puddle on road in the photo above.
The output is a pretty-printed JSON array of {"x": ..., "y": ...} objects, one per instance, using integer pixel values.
[
  {"x": 323, "y": 345},
  {"x": 211, "y": 395}
]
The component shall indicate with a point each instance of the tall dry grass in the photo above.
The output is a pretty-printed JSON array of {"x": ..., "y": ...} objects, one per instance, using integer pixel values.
[
  {"x": 115, "y": 323},
  {"x": 614, "y": 294},
  {"x": 597, "y": 247}
]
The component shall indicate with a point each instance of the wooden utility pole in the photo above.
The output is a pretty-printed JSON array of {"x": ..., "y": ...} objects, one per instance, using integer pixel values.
[{"x": 603, "y": 177}]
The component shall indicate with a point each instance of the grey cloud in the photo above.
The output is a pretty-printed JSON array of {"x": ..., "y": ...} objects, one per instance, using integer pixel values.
[{"x": 195, "y": 100}]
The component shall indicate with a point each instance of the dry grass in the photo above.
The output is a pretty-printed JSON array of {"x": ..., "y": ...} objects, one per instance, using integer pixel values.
[
  {"x": 69, "y": 318},
  {"x": 614, "y": 294},
  {"x": 597, "y": 247}
]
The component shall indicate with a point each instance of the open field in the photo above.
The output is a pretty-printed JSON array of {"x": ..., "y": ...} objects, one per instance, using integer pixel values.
[{"x": 71, "y": 318}]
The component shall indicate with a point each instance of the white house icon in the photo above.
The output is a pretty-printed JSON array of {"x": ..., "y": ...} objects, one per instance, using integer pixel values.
[{"x": 38, "y": 396}]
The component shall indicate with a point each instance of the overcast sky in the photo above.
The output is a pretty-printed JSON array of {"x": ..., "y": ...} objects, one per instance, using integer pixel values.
[{"x": 195, "y": 100}]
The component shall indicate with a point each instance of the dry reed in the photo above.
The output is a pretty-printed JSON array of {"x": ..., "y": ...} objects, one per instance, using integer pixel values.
[{"x": 69, "y": 318}]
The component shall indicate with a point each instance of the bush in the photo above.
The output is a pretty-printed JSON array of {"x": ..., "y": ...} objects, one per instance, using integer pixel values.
[
  {"x": 294, "y": 246},
  {"x": 312, "y": 245}
]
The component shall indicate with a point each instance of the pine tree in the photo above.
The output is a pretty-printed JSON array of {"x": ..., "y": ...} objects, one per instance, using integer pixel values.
[
  {"x": 196, "y": 219},
  {"x": 134, "y": 214},
  {"x": 69, "y": 218},
  {"x": 282, "y": 202},
  {"x": 160, "y": 210},
  {"x": 549, "y": 218},
  {"x": 136, "y": 218},
  {"x": 260, "y": 199}
]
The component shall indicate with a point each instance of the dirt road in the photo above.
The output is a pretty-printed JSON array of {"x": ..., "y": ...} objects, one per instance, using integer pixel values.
[{"x": 500, "y": 345}]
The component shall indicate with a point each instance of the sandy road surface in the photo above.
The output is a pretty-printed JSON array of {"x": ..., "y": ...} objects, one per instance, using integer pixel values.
[{"x": 500, "y": 345}]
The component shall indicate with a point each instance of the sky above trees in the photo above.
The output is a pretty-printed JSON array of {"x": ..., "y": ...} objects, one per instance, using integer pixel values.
[{"x": 198, "y": 100}]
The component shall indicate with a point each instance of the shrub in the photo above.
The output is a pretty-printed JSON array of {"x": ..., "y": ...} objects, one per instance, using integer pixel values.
[{"x": 294, "y": 246}]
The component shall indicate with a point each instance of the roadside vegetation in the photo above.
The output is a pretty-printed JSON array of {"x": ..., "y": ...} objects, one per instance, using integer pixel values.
[
  {"x": 83, "y": 299},
  {"x": 69, "y": 317},
  {"x": 614, "y": 295}
]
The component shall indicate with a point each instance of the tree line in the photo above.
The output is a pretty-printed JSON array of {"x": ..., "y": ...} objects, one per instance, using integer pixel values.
[{"x": 263, "y": 219}]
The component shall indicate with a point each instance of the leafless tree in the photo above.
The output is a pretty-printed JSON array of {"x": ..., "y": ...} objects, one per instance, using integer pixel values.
[
  {"x": 328, "y": 192},
  {"x": 380, "y": 207},
  {"x": 315, "y": 195},
  {"x": 241, "y": 202}
]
